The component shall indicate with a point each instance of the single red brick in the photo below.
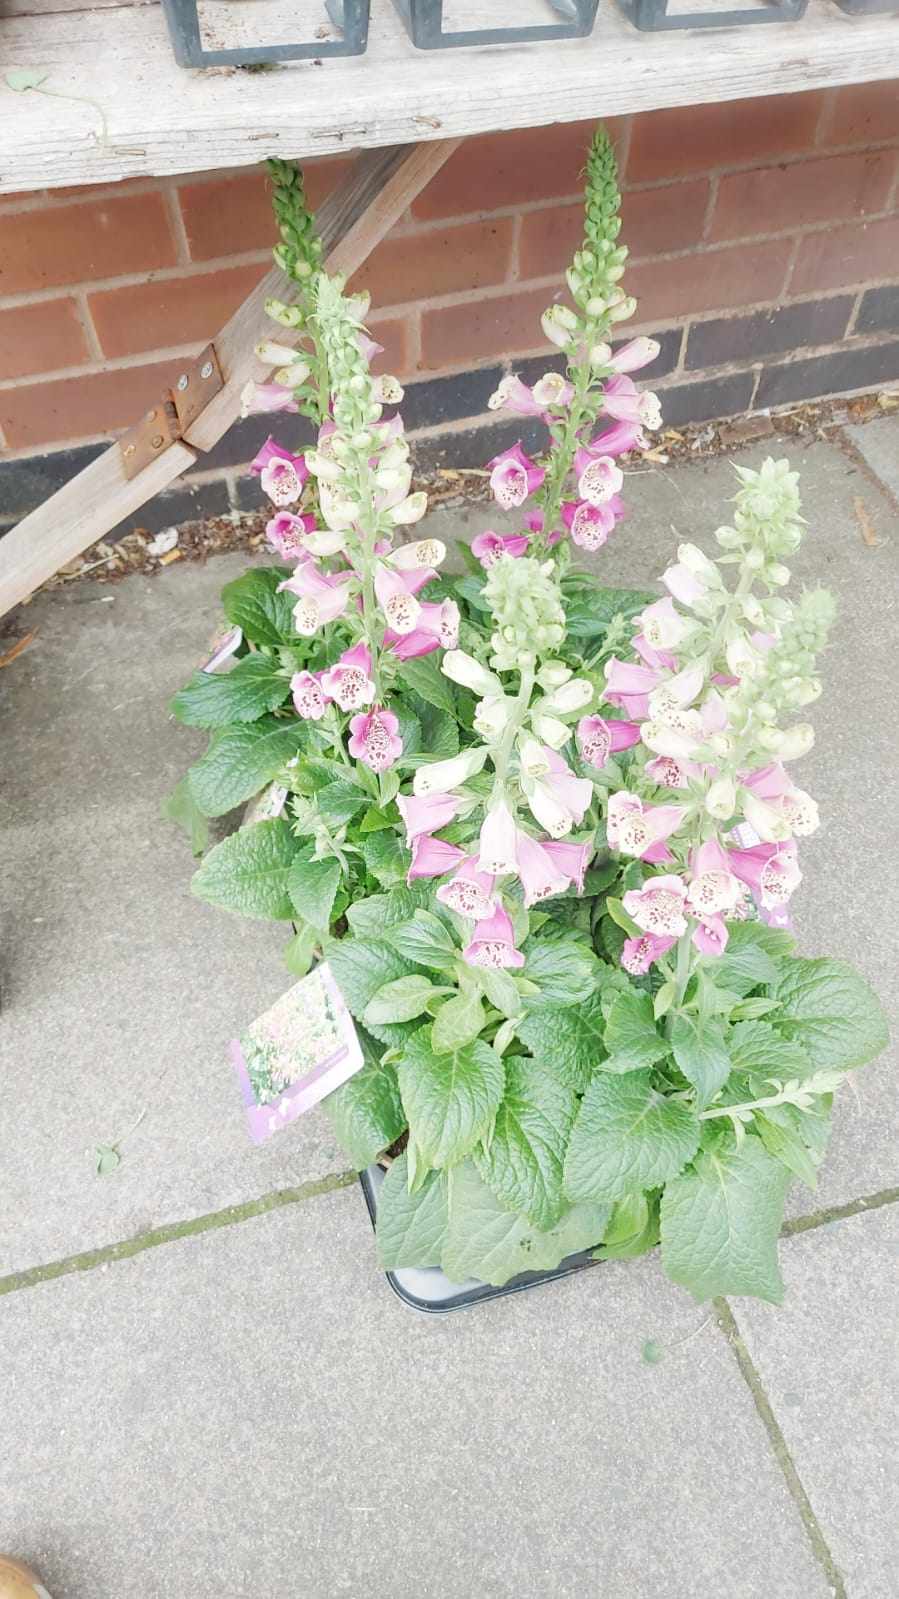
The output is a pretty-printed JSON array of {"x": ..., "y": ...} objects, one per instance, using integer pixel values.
[
  {"x": 710, "y": 280},
  {"x": 702, "y": 138},
  {"x": 171, "y": 311},
  {"x": 76, "y": 243},
  {"x": 392, "y": 333},
  {"x": 422, "y": 265},
  {"x": 500, "y": 170},
  {"x": 228, "y": 215},
  {"x": 863, "y": 253},
  {"x": 76, "y": 408},
  {"x": 484, "y": 329},
  {"x": 773, "y": 199},
  {"x": 41, "y": 338},
  {"x": 653, "y": 221},
  {"x": 862, "y": 113}
]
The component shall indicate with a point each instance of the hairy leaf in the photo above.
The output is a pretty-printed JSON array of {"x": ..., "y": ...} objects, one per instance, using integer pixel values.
[
  {"x": 424, "y": 676},
  {"x": 758, "y": 1048},
  {"x": 751, "y": 957},
  {"x": 831, "y": 1011},
  {"x": 366, "y": 1112},
  {"x": 411, "y": 1226},
  {"x": 240, "y": 761},
  {"x": 249, "y": 871},
  {"x": 457, "y": 1023},
  {"x": 400, "y": 1000},
  {"x": 567, "y": 1040},
  {"x": 524, "y": 1159},
  {"x": 360, "y": 967},
  {"x": 449, "y": 1099},
  {"x": 721, "y": 1220},
  {"x": 424, "y": 939},
  {"x": 627, "y": 1137},
  {"x": 701, "y": 1054},
  {"x": 632, "y": 1036},
  {"x": 219, "y": 699},
  {"x": 563, "y": 966},
  {"x": 313, "y": 886},
  {"x": 488, "y": 1242},
  {"x": 253, "y": 603}
]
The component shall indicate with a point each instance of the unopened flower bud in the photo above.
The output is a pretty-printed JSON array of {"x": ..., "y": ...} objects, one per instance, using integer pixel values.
[
  {"x": 550, "y": 730},
  {"x": 721, "y": 799},
  {"x": 777, "y": 574},
  {"x": 623, "y": 311},
  {"x": 418, "y": 556},
  {"x": 491, "y": 716},
  {"x": 438, "y": 777},
  {"x": 601, "y": 355},
  {"x": 553, "y": 674},
  {"x": 569, "y": 697},
  {"x": 409, "y": 510},
  {"x": 462, "y": 668},
  {"x": 692, "y": 557}
]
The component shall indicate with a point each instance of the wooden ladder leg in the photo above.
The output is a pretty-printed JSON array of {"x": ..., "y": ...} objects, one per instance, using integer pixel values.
[{"x": 352, "y": 221}]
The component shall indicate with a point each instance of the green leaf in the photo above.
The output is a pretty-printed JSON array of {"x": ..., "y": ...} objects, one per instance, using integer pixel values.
[
  {"x": 780, "y": 1129},
  {"x": 721, "y": 1220},
  {"x": 218, "y": 699},
  {"x": 500, "y": 989},
  {"x": 618, "y": 914},
  {"x": 457, "y": 1023},
  {"x": 524, "y": 1160},
  {"x": 425, "y": 677},
  {"x": 627, "y": 1137},
  {"x": 563, "y": 966},
  {"x": 759, "y": 1049},
  {"x": 108, "y": 1158},
  {"x": 653, "y": 1352},
  {"x": 360, "y": 967},
  {"x": 385, "y": 858},
  {"x": 631, "y": 1033},
  {"x": 300, "y": 952},
  {"x": 249, "y": 871},
  {"x": 701, "y": 1054},
  {"x": 450, "y": 1099},
  {"x": 831, "y": 1011},
  {"x": 180, "y": 807},
  {"x": 411, "y": 1226},
  {"x": 312, "y": 886},
  {"x": 253, "y": 603},
  {"x": 366, "y": 1112},
  {"x": 240, "y": 760},
  {"x": 374, "y": 821},
  {"x": 488, "y": 1242},
  {"x": 424, "y": 939},
  {"x": 380, "y": 912},
  {"x": 22, "y": 78},
  {"x": 566, "y": 1040},
  {"x": 633, "y": 1228},
  {"x": 751, "y": 956},
  {"x": 590, "y": 611},
  {"x": 400, "y": 1000},
  {"x": 339, "y": 802}
]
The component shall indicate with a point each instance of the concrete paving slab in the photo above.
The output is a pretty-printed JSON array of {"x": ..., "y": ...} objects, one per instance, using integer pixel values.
[
  {"x": 827, "y": 1361},
  {"x": 120, "y": 990},
  {"x": 251, "y": 1412},
  {"x": 878, "y": 442}
]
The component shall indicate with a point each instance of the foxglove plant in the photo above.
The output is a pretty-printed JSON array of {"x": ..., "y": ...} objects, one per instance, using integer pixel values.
[{"x": 551, "y": 885}]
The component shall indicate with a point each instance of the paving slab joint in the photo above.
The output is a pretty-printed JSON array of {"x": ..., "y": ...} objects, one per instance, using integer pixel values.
[
  {"x": 853, "y": 1207},
  {"x": 856, "y": 455},
  {"x": 810, "y": 1522}
]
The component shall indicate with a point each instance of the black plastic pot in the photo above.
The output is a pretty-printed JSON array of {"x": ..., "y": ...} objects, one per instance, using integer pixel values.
[
  {"x": 426, "y": 1288},
  {"x": 424, "y": 20},
  {"x": 653, "y": 16},
  {"x": 350, "y": 16}
]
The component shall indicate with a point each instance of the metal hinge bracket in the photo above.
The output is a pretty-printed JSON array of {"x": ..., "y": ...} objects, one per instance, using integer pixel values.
[{"x": 169, "y": 420}]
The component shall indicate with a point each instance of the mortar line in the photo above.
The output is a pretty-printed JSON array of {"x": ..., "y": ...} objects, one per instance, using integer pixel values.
[
  {"x": 749, "y": 1373},
  {"x": 171, "y": 1232}
]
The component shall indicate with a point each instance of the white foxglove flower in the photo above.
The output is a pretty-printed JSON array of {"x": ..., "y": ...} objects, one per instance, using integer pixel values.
[
  {"x": 721, "y": 799},
  {"x": 492, "y": 716},
  {"x": 550, "y": 729},
  {"x": 768, "y": 821},
  {"x": 409, "y": 510},
  {"x": 568, "y": 698},
  {"x": 464, "y": 669},
  {"x": 691, "y": 556},
  {"x": 438, "y": 777}
]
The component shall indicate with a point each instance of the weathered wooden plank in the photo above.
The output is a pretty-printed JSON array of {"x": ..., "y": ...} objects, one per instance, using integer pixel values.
[
  {"x": 353, "y": 219},
  {"x": 163, "y": 119}
]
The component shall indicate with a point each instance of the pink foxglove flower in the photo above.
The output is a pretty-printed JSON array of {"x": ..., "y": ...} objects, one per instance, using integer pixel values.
[
  {"x": 493, "y": 943},
  {"x": 375, "y": 740},
  {"x": 426, "y": 813},
  {"x": 308, "y": 696},
  {"x": 323, "y": 597},
  {"x": 597, "y": 739},
  {"x": 771, "y": 871},
  {"x": 629, "y": 687},
  {"x": 489, "y": 546},
  {"x": 349, "y": 682},
  {"x": 618, "y": 439},
  {"x": 399, "y": 605},
  {"x": 638, "y": 954},
  {"x": 513, "y": 395},
  {"x": 635, "y": 354},
  {"x": 437, "y": 628},
  {"x": 285, "y": 534},
  {"x": 662, "y": 660},
  {"x": 671, "y": 773},
  {"x": 710, "y": 935},
  {"x": 469, "y": 891},
  {"x": 685, "y": 585},
  {"x": 624, "y": 401},
  {"x": 553, "y": 389},
  {"x": 540, "y": 876},
  {"x": 514, "y": 477},
  {"x": 558, "y": 799},
  {"x": 572, "y": 859},
  {"x": 280, "y": 474},
  {"x": 714, "y": 891},
  {"x": 497, "y": 846},
  {"x": 662, "y": 626},
  {"x": 431, "y": 857},
  {"x": 256, "y": 398},
  {"x": 681, "y": 742},
  {"x": 633, "y": 828},
  {"x": 658, "y": 907},
  {"x": 598, "y": 478},
  {"x": 590, "y": 525}
]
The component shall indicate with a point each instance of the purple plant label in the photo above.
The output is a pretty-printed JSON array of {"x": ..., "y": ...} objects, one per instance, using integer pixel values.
[
  {"x": 295, "y": 1054},
  {"x": 266, "y": 806},
  {"x": 222, "y": 650}
]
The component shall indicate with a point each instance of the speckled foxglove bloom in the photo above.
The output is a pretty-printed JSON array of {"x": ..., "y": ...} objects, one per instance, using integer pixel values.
[
  {"x": 285, "y": 533},
  {"x": 469, "y": 891},
  {"x": 256, "y": 398},
  {"x": 659, "y": 906},
  {"x": 493, "y": 943},
  {"x": 309, "y": 698},
  {"x": 431, "y": 857},
  {"x": 489, "y": 546},
  {"x": 540, "y": 875},
  {"x": 624, "y": 401},
  {"x": 599, "y": 480},
  {"x": 498, "y": 842},
  {"x": 426, "y": 813},
  {"x": 590, "y": 525},
  {"x": 349, "y": 682},
  {"x": 323, "y": 597},
  {"x": 281, "y": 475},
  {"x": 514, "y": 477},
  {"x": 598, "y": 739},
  {"x": 375, "y": 741},
  {"x": 638, "y": 954}
]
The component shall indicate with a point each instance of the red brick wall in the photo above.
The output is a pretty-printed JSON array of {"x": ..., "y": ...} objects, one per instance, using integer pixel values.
[{"x": 760, "y": 204}]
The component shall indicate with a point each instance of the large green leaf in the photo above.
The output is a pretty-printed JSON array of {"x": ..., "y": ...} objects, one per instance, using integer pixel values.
[
  {"x": 425, "y": 939},
  {"x": 241, "y": 760},
  {"x": 425, "y": 677},
  {"x": 249, "y": 871},
  {"x": 401, "y": 1000},
  {"x": 219, "y": 699},
  {"x": 450, "y": 1100},
  {"x": 721, "y": 1220},
  {"x": 566, "y": 1040},
  {"x": 411, "y": 1227},
  {"x": 590, "y": 610},
  {"x": 181, "y": 807},
  {"x": 486, "y": 1241},
  {"x": 633, "y": 1228},
  {"x": 313, "y": 886},
  {"x": 563, "y": 966},
  {"x": 380, "y": 912},
  {"x": 457, "y": 1022},
  {"x": 360, "y": 967},
  {"x": 524, "y": 1158},
  {"x": 339, "y": 802},
  {"x": 632, "y": 1037},
  {"x": 253, "y": 603},
  {"x": 751, "y": 957},
  {"x": 831, "y": 1011},
  {"x": 366, "y": 1112},
  {"x": 627, "y": 1137},
  {"x": 796, "y": 1137},
  {"x": 759, "y": 1049},
  {"x": 701, "y": 1054},
  {"x": 385, "y": 858}
]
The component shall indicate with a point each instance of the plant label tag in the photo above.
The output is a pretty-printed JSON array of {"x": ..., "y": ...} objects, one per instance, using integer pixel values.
[
  {"x": 222, "y": 650},
  {"x": 295, "y": 1054},
  {"x": 266, "y": 807}
]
